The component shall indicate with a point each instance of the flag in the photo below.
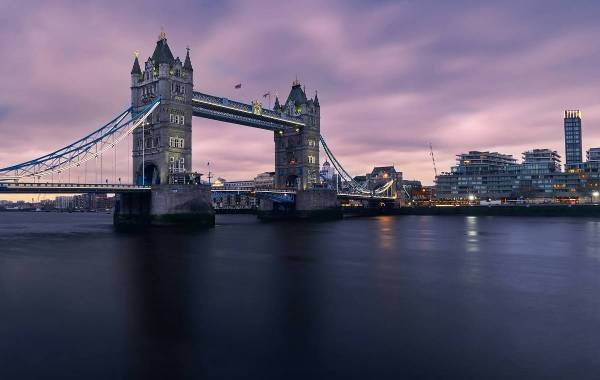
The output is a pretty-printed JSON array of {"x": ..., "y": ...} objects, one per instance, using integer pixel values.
[
  {"x": 239, "y": 85},
  {"x": 266, "y": 95}
]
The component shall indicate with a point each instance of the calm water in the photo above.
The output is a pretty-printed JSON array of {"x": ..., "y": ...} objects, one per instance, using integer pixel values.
[{"x": 385, "y": 297}]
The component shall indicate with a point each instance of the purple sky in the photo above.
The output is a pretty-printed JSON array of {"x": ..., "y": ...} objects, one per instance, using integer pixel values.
[{"x": 392, "y": 76}]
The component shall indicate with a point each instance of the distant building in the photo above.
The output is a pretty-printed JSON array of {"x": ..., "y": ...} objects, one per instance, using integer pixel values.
[
  {"x": 239, "y": 185},
  {"x": 63, "y": 202},
  {"x": 264, "y": 181},
  {"x": 327, "y": 171},
  {"x": 482, "y": 174},
  {"x": 494, "y": 175},
  {"x": 540, "y": 161},
  {"x": 538, "y": 171},
  {"x": 593, "y": 154},
  {"x": 233, "y": 194},
  {"x": 573, "y": 150},
  {"x": 380, "y": 175},
  {"x": 361, "y": 180}
]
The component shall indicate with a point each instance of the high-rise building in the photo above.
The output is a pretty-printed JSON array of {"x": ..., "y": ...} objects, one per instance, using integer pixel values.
[{"x": 573, "y": 151}]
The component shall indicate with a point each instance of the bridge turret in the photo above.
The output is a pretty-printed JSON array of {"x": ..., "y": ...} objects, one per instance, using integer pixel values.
[
  {"x": 164, "y": 145},
  {"x": 297, "y": 151},
  {"x": 136, "y": 71}
]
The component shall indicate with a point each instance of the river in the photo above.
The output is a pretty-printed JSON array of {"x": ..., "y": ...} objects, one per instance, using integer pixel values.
[{"x": 382, "y": 297}]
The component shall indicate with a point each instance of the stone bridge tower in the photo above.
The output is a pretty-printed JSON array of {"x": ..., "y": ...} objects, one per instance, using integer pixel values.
[
  {"x": 165, "y": 143},
  {"x": 297, "y": 152}
]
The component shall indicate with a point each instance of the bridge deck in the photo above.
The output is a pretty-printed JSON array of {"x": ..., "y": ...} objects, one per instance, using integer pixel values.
[
  {"x": 69, "y": 188},
  {"x": 101, "y": 188},
  {"x": 223, "y": 109}
]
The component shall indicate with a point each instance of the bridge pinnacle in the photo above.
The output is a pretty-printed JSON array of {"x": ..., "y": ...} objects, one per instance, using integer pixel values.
[
  {"x": 136, "y": 66},
  {"x": 188, "y": 63}
]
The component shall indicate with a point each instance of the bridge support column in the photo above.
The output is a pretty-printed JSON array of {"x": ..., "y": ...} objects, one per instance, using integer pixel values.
[
  {"x": 166, "y": 205},
  {"x": 311, "y": 204}
]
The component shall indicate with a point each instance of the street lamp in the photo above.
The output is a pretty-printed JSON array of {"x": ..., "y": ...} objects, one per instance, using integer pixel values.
[
  {"x": 471, "y": 197},
  {"x": 595, "y": 195}
]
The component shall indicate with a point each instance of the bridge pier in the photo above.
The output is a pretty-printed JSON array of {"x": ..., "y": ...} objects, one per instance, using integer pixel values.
[
  {"x": 311, "y": 204},
  {"x": 166, "y": 205}
]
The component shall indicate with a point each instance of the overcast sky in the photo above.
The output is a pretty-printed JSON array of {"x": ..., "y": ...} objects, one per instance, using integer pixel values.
[{"x": 392, "y": 76}]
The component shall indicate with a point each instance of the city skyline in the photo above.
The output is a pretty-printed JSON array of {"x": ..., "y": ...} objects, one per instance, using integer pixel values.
[{"x": 488, "y": 80}]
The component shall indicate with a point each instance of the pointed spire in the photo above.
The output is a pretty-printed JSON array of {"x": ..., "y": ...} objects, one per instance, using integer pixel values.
[
  {"x": 136, "y": 65},
  {"x": 188, "y": 63},
  {"x": 277, "y": 106},
  {"x": 316, "y": 98},
  {"x": 162, "y": 52}
]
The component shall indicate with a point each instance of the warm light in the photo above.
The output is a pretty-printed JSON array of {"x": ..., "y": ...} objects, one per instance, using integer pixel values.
[
  {"x": 596, "y": 194},
  {"x": 471, "y": 197}
]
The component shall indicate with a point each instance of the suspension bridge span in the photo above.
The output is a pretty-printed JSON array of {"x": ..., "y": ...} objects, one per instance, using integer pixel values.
[{"x": 157, "y": 128}]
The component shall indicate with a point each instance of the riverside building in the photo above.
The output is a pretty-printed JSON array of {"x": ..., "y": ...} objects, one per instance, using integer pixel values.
[
  {"x": 494, "y": 175},
  {"x": 482, "y": 174},
  {"x": 573, "y": 150}
]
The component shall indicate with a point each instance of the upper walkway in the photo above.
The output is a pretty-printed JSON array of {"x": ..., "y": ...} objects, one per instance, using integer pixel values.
[{"x": 231, "y": 111}]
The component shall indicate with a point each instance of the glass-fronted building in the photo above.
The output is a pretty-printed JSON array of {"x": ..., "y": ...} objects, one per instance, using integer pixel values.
[
  {"x": 573, "y": 150},
  {"x": 495, "y": 175}
]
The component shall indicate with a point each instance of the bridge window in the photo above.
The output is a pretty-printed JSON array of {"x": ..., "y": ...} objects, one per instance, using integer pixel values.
[
  {"x": 176, "y": 142},
  {"x": 311, "y": 159},
  {"x": 177, "y": 119}
]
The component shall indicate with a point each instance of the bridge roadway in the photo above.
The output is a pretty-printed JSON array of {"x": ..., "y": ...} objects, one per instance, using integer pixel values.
[
  {"x": 68, "y": 188},
  {"x": 111, "y": 188},
  {"x": 231, "y": 111}
]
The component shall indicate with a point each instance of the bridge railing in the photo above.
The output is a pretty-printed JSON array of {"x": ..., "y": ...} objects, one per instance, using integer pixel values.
[
  {"x": 20, "y": 185},
  {"x": 248, "y": 108}
]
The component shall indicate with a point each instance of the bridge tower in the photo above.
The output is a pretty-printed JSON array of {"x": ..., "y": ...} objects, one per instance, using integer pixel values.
[
  {"x": 297, "y": 151},
  {"x": 162, "y": 149}
]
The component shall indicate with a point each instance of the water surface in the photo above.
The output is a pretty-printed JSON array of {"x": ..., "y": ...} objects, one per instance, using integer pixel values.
[{"x": 383, "y": 297}]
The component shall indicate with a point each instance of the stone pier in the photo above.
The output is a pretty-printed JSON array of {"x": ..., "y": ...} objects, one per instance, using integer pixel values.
[
  {"x": 312, "y": 204},
  {"x": 166, "y": 205}
]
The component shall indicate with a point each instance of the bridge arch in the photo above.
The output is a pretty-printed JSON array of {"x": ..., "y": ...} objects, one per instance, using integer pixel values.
[{"x": 151, "y": 174}]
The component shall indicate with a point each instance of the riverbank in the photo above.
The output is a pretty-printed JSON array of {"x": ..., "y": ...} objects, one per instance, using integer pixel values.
[{"x": 504, "y": 210}]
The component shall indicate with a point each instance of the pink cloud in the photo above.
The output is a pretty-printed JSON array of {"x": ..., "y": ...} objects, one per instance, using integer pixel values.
[{"x": 392, "y": 77}]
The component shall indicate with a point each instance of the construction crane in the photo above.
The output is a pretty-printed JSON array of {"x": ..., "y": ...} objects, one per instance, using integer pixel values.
[{"x": 432, "y": 160}]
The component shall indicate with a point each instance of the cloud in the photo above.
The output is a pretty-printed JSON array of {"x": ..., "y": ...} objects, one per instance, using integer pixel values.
[{"x": 392, "y": 76}]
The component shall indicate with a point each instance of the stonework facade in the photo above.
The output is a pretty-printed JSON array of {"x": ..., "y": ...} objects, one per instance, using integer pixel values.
[
  {"x": 297, "y": 151},
  {"x": 163, "y": 147}
]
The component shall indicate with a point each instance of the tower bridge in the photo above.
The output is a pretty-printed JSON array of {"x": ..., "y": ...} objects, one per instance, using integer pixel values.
[{"x": 159, "y": 124}]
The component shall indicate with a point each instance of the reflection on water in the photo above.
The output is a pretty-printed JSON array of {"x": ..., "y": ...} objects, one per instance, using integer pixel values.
[
  {"x": 384, "y": 297},
  {"x": 385, "y": 232},
  {"x": 471, "y": 233}
]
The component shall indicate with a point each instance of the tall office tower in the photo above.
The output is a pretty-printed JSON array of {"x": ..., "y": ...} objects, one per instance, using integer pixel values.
[{"x": 573, "y": 149}]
